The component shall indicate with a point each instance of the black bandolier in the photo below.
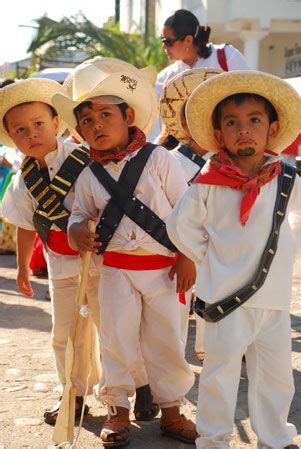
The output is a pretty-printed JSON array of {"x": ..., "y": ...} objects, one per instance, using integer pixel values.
[
  {"x": 124, "y": 202},
  {"x": 50, "y": 195}
]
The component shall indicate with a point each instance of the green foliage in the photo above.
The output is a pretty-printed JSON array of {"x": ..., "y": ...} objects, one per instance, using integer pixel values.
[{"x": 79, "y": 33}]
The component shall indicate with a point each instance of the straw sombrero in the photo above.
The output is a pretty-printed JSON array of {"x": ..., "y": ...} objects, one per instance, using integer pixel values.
[
  {"x": 283, "y": 97},
  {"x": 25, "y": 91},
  {"x": 174, "y": 97},
  {"x": 108, "y": 78}
]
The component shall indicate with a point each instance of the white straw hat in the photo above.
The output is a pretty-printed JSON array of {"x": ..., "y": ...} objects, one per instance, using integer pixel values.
[
  {"x": 108, "y": 77},
  {"x": 26, "y": 91},
  {"x": 174, "y": 97},
  {"x": 280, "y": 94}
]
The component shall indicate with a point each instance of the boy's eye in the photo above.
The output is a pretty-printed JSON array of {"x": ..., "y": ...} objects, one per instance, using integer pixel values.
[
  {"x": 86, "y": 121},
  {"x": 39, "y": 123},
  {"x": 230, "y": 122},
  {"x": 19, "y": 130},
  {"x": 106, "y": 114},
  {"x": 255, "y": 120}
]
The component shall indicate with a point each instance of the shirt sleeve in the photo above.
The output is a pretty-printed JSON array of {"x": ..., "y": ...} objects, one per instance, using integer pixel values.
[
  {"x": 84, "y": 204},
  {"x": 235, "y": 60},
  {"x": 172, "y": 176},
  {"x": 18, "y": 206},
  {"x": 185, "y": 224}
]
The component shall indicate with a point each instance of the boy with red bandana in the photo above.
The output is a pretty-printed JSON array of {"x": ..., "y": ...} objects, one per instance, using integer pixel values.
[
  {"x": 229, "y": 224},
  {"x": 131, "y": 187}
]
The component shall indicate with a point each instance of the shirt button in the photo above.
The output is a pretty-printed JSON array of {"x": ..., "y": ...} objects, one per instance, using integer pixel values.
[
  {"x": 50, "y": 168},
  {"x": 116, "y": 168}
]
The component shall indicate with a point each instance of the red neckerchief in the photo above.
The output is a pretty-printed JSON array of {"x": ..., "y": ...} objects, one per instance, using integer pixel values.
[
  {"x": 137, "y": 140},
  {"x": 221, "y": 171}
]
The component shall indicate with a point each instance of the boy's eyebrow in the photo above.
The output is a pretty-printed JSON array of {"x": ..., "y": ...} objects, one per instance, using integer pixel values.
[
  {"x": 232, "y": 115},
  {"x": 17, "y": 124},
  {"x": 83, "y": 112}
]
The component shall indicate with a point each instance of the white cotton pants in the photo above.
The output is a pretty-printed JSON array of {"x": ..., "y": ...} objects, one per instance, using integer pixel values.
[
  {"x": 199, "y": 334},
  {"x": 264, "y": 336},
  {"x": 63, "y": 296},
  {"x": 184, "y": 313},
  {"x": 199, "y": 323},
  {"x": 140, "y": 309}
]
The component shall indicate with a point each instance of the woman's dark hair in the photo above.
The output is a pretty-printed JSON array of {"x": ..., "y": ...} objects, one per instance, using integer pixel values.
[
  {"x": 238, "y": 99},
  {"x": 183, "y": 23}
]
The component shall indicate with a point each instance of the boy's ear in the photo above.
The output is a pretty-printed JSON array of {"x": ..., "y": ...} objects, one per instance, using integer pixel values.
[
  {"x": 56, "y": 123},
  {"x": 129, "y": 115},
  {"x": 219, "y": 137},
  {"x": 274, "y": 128}
]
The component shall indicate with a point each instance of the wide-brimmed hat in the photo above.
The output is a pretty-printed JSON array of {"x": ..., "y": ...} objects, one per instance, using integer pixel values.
[
  {"x": 109, "y": 77},
  {"x": 26, "y": 91},
  {"x": 281, "y": 95},
  {"x": 174, "y": 97}
]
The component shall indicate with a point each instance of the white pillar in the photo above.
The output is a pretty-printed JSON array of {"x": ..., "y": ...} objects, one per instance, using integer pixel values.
[{"x": 251, "y": 40}]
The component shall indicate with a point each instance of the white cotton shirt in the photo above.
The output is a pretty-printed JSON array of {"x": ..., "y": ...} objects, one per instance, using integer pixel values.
[
  {"x": 235, "y": 61},
  {"x": 189, "y": 167},
  {"x": 160, "y": 186},
  {"x": 205, "y": 226},
  {"x": 18, "y": 207}
]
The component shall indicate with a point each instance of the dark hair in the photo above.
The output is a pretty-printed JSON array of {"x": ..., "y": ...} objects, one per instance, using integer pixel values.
[
  {"x": 51, "y": 109},
  {"x": 6, "y": 82},
  {"x": 238, "y": 99},
  {"x": 88, "y": 104},
  {"x": 183, "y": 23}
]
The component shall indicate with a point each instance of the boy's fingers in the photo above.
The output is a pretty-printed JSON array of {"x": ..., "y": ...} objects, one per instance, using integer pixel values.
[{"x": 171, "y": 273}]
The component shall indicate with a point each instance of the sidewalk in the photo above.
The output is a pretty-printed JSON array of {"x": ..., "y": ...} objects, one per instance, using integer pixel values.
[{"x": 28, "y": 381}]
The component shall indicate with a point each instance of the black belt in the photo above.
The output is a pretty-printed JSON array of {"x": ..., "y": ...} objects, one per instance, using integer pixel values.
[{"x": 220, "y": 309}]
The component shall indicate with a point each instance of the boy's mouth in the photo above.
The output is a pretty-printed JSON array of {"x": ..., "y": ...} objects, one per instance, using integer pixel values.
[
  {"x": 34, "y": 145},
  {"x": 100, "y": 137}
]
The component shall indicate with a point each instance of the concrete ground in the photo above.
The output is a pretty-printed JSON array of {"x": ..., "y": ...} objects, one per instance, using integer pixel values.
[{"x": 28, "y": 382}]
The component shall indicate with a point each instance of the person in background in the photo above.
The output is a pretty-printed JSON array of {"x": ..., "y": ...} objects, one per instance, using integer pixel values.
[{"x": 187, "y": 43}]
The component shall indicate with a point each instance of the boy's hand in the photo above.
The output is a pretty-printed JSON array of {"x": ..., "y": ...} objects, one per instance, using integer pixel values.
[
  {"x": 82, "y": 238},
  {"x": 23, "y": 282},
  {"x": 185, "y": 270}
]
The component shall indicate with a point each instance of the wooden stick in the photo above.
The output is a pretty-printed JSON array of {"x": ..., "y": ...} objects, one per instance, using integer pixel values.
[{"x": 64, "y": 426}]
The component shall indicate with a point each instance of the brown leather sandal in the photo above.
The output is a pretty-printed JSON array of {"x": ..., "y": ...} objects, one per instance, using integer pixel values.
[
  {"x": 145, "y": 409},
  {"x": 115, "y": 431},
  {"x": 177, "y": 426},
  {"x": 50, "y": 416}
]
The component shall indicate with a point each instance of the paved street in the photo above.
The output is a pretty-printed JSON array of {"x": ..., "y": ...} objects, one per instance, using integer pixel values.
[{"x": 28, "y": 382}]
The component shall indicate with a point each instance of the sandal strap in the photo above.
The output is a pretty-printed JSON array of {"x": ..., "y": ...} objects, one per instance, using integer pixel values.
[{"x": 180, "y": 426}]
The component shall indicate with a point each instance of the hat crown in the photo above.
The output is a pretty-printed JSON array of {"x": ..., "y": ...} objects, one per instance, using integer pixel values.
[{"x": 85, "y": 79}]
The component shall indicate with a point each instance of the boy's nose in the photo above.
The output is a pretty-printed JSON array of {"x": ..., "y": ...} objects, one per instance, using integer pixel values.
[{"x": 243, "y": 129}]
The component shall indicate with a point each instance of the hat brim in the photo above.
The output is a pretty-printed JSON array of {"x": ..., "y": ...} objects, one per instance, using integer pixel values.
[
  {"x": 26, "y": 91},
  {"x": 281, "y": 95},
  {"x": 133, "y": 90},
  {"x": 174, "y": 97}
]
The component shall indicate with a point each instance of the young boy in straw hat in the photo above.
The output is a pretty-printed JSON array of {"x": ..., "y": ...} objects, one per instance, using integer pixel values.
[
  {"x": 191, "y": 157},
  {"x": 39, "y": 198},
  {"x": 144, "y": 409},
  {"x": 131, "y": 187},
  {"x": 229, "y": 224}
]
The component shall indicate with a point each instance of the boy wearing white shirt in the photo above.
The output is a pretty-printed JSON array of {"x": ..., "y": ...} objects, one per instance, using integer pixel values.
[
  {"x": 39, "y": 199},
  {"x": 228, "y": 223},
  {"x": 131, "y": 187}
]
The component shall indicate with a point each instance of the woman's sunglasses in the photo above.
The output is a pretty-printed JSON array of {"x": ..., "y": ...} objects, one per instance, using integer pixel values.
[{"x": 168, "y": 41}]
